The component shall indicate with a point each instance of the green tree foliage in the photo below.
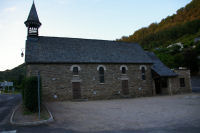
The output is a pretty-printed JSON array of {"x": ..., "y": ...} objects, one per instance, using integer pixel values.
[
  {"x": 30, "y": 93},
  {"x": 184, "y": 27},
  {"x": 191, "y": 60},
  {"x": 15, "y": 75},
  {"x": 189, "y": 13},
  {"x": 167, "y": 36}
]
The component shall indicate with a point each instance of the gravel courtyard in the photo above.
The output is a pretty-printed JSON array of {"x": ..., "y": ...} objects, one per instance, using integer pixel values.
[{"x": 127, "y": 114}]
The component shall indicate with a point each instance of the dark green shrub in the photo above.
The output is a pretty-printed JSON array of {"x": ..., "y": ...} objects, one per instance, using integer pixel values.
[
  {"x": 22, "y": 89},
  {"x": 30, "y": 94}
]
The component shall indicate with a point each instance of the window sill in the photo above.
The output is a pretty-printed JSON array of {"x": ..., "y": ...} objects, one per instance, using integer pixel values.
[{"x": 76, "y": 80}]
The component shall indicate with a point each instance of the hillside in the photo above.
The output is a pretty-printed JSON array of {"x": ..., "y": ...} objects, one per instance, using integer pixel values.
[
  {"x": 15, "y": 75},
  {"x": 184, "y": 15},
  {"x": 182, "y": 28}
]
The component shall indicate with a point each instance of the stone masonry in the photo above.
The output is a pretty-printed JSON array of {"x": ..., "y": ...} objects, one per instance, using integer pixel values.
[
  {"x": 57, "y": 80},
  {"x": 175, "y": 82}
]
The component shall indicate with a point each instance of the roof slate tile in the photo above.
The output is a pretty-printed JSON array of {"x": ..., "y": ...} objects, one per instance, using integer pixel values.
[{"x": 74, "y": 50}]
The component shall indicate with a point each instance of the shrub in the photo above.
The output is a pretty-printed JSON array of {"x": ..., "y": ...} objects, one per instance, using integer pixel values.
[
  {"x": 30, "y": 94},
  {"x": 22, "y": 89}
]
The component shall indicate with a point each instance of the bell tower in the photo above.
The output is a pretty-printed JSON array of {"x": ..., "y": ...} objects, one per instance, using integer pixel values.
[{"x": 33, "y": 22}]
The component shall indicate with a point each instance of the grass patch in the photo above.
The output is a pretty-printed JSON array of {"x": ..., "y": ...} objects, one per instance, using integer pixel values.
[
  {"x": 26, "y": 111},
  {"x": 44, "y": 114}
]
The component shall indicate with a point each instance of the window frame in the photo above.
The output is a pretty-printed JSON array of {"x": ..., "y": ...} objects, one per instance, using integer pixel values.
[
  {"x": 123, "y": 71},
  {"x": 143, "y": 70},
  {"x": 182, "y": 82},
  {"x": 75, "y": 70},
  {"x": 101, "y": 75},
  {"x": 72, "y": 69},
  {"x": 125, "y": 68}
]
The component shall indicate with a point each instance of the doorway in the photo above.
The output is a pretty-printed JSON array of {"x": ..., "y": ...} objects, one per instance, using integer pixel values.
[
  {"x": 125, "y": 90},
  {"x": 76, "y": 90},
  {"x": 158, "y": 86}
]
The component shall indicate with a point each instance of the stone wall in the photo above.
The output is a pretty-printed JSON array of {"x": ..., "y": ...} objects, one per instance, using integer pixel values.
[
  {"x": 175, "y": 82},
  {"x": 57, "y": 80}
]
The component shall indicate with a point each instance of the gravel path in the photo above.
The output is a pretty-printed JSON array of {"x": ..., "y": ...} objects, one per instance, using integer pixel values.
[{"x": 127, "y": 114}]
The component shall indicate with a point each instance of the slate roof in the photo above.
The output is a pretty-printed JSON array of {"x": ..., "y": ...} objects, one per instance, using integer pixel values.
[
  {"x": 74, "y": 50},
  {"x": 159, "y": 67},
  {"x": 33, "y": 16}
]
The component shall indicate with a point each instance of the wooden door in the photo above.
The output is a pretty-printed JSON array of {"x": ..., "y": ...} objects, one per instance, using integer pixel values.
[
  {"x": 76, "y": 90},
  {"x": 125, "y": 90},
  {"x": 158, "y": 86}
]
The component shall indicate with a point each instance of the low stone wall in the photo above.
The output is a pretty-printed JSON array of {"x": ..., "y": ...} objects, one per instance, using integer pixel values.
[{"x": 56, "y": 80}]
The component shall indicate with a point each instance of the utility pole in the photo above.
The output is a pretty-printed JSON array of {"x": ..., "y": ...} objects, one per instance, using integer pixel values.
[{"x": 39, "y": 94}]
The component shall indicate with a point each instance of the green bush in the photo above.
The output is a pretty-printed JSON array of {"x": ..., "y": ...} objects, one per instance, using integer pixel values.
[
  {"x": 23, "y": 89},
  {"x": 30, "y": 94}
]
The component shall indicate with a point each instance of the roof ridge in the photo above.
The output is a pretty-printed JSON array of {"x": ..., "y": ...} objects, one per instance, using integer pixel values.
[{"x": 87, "y": 39}]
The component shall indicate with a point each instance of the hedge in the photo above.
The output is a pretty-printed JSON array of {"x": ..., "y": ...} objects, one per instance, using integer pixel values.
[{"x": 30, "y": 93}]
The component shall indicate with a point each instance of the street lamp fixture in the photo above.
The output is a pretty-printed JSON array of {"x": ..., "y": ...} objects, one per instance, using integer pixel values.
[{"x": 22, "y": 53}]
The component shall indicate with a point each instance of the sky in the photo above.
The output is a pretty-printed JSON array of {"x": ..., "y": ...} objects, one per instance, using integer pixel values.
[{"x": 91, "y": 19}]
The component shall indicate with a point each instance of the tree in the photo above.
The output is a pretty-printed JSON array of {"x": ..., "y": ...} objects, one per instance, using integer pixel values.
[{"x": 191, "y": 60}]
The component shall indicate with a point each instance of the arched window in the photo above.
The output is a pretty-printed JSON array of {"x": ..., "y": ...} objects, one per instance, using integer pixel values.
[
  {"x": 143, "y": 73},
  {"x": 75, "y": 70},
  {"x": 101, "y": 75},
  {"x": 123, "y": 70}
]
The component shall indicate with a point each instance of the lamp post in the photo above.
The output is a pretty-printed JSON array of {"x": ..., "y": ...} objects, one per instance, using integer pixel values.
[{"x": 39, "y": 94}]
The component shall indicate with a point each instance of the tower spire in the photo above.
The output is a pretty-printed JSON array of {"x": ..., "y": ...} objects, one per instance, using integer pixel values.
[{"x": 33, "y": 22}]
